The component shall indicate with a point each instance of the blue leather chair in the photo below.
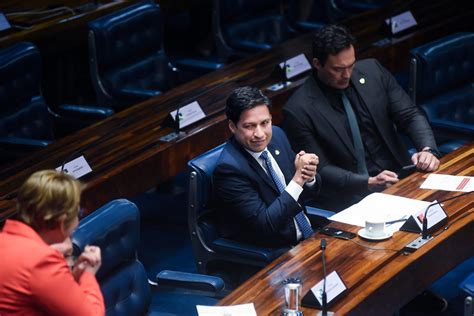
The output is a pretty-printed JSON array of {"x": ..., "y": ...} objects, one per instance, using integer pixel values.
[
  {"x": 26, "y": 122},
  {"x": 307, "y": 16},
  {"x": 207, "y": 245},
  {"x": 468, "y": 286},
  {"x": 248, "y": 26},
  {"x": 127, "y": 61},
  {"x": 442, "y": 83},
  {"x": 115, "y": 228},
  {"x": 188, "y": 40}
]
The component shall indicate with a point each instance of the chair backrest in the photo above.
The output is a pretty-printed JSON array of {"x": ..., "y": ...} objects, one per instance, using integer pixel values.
[
  {"x": 126, "y": 50},
  {"x": 441, "y": 65},
  {"x": 23, "y": 112},
  {"x": 200, "y": 189},
  {"x": 248, "y": 26},
  {"x": 115, "y": 228}
]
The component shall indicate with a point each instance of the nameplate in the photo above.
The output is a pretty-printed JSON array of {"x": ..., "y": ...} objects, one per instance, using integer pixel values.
[
  {"x": 188, "y": 114},
  {"x": 334, "y": 289},
  {"x": 295, "y": 66},
  {"x": 435, "y": 216},
  {"x": 4, "y": 24},
  {"x": 76, "y": 168},
  {"x": 401, "y": 22}
]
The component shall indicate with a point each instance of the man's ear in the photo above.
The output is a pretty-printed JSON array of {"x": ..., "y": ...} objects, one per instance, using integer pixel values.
[
  {"x": 232, "y": 127},
  {"x": 316, "y": 63}
]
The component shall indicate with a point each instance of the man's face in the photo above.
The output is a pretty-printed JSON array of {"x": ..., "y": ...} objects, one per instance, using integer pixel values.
[
  {"x": 337, "y": 70},
  {"x": 254, "y": 128}
]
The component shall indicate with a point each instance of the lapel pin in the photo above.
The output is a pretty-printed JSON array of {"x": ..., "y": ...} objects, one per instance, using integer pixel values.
[
  {"x": 277, "y": 152},
  {"x": 362, "y": 80}
]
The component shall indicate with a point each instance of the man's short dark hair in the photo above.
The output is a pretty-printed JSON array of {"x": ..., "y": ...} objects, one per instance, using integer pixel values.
[
  {"x": 331, "y": 40},
  {"x": 242, "y": 99}
]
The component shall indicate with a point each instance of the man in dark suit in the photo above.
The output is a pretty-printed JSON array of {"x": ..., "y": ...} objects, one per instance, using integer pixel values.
[
  {"x": 258, "y": 180},
  {"x": 349, "y": 113}
]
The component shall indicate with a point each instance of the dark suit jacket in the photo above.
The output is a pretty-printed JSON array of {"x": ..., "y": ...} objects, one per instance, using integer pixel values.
[
  {"x": 249, "y": 206},
  {"x": 311, "y": 125}
]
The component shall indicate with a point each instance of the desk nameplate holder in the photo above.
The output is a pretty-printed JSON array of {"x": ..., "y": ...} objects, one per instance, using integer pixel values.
[
  {"x": 436, "y": 217},
  {"x": 186, "y": 115},
  {"x": 76, "y": 168},
  {"x": 335, "y": 288}
]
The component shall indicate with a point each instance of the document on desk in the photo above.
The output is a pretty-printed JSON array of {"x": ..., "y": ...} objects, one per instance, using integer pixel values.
[
  {"x": 447, "y": 182},
  {"x": 391, "y": 209},
  {"x": 234, "y": 310}
]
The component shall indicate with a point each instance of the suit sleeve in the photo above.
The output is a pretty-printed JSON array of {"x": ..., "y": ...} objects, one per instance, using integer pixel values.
[
  {"x": 304, "y": 137},
  {"x": 242, "y": 202},
  {"x": 53, "y": 285},
  {"x": 405, "y": 114}
]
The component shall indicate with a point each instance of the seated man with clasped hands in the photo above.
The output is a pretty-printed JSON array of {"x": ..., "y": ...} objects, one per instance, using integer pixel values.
[{"x": 259, "y": 181}]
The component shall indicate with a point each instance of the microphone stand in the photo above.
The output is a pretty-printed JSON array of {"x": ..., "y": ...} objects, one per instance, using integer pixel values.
[
  {"x": 324, "y": 302},
  {"x": 425, "y": 236},
  {"x": 424, "y": 231},
  {"x": 324, "y": 294}
]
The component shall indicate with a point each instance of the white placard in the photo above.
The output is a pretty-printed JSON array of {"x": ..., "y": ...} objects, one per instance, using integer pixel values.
[
  {"x": 401, "y": 22},
  {"x": 434, "y": 215},
  {"x": 448, "y": 183},
  {"x": 76, "y": 168},
  {"x": 235, "y": 310},
  {"x": 295, "y": 66},
  {"x": 334, "y": 287},
  {"x": 189, "y": 114}
]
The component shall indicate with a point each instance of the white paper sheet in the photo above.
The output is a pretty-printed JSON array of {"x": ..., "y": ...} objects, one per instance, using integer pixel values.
[
  {"x": 385, "y": 207},
  {"x": 448, "y": 183},
  {"x": 234, "y": 310}
]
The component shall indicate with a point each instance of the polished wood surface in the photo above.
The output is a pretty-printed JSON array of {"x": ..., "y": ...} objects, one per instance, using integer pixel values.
[
  {"x": 379, "y": 281},
  {"x": 125, "y": 152}
]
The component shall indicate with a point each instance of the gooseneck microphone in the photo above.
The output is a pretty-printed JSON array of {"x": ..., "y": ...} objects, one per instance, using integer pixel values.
[
  {"x": 324, "y": 304},
  {"x": 424, "y": 231}
]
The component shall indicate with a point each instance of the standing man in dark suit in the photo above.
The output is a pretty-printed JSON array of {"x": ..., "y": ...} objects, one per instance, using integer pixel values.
[
  {"x": 349, "y": 113},
  {"x": 258, "y": 180}
]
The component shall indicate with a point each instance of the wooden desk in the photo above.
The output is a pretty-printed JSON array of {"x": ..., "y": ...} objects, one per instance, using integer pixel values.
[
  {"x": 125, "y": 152},
  {"x": 378, "y": 282}
]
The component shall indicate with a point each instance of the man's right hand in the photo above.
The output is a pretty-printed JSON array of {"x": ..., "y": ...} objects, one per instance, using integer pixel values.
[
  {"x": 382, "y": 181},
  {"x": 305, "y": 166}
]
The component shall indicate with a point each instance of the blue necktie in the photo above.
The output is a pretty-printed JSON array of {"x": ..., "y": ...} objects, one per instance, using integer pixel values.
[
  {"x": 301, "y": 220},
  {"x": 355, "y": 131}
]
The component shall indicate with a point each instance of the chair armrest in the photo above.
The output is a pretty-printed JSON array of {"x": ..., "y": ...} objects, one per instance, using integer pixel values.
[
  {"x": 313, "y": 211},
  {"x": 318, "y": 217},
  {"x": 459, "y": 127},
  {"x": 24, "y": 144},
  {"x": 238, "y": 249},
  {"x": 252, "y": 46},
  {"x": 90, "y": 113},
  {"x": 190, "y": 281},
  {"x": 138, "y": 93}
]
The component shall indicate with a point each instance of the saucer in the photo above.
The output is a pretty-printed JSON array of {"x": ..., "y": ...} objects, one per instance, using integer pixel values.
[{"x": 363, "y": 234}]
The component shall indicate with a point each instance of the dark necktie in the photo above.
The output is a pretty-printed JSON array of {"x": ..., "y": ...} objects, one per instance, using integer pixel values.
[
  {"x": 300, "y": 219},
  {"x": 357, "y": 140}
]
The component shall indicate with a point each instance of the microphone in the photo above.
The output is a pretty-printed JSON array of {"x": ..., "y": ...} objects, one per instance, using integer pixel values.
[
  {"x": 323, "y": 294},
  {"x": 424, "y": 232}
]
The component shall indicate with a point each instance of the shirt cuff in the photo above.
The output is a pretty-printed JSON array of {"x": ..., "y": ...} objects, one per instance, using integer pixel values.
[
  {"x": 311, "y": 183},
  {"x": 294, "y": 190}
]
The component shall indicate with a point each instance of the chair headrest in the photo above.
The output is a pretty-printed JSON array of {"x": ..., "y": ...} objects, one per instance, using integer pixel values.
[
  {"x": 444, "y": 64},
  {"x": 115, "y": 228},
  {"x": 128, "y": 34},
  {"x": 20, "y": 75}
]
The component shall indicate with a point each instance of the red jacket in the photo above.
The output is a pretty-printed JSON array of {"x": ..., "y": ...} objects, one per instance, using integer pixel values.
[{"x": 35, "y": 279}]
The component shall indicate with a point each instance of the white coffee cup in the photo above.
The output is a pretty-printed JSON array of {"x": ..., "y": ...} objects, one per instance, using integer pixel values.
[{"x": 374, "y": 227}]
